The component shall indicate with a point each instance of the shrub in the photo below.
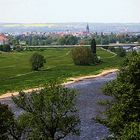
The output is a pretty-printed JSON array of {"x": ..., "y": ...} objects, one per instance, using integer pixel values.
[
  {"x": 5, "y": 48},
  {"x": 9, "y": 127},
  {"x": 18, "y": 48},
  {"x": 123, "y": 116},
  {"x": 5, "y": 118},
  {"x": 37, "y": 61},
  {"x": 82, "y": 55},
  {"x": 50, "y": 113}
]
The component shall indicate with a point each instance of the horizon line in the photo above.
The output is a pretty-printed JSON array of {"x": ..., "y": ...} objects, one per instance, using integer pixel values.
[{"x": 69, "y": 22}]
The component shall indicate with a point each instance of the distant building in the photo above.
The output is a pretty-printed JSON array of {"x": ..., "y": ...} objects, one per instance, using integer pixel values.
[
  {"x": 87, "y": 29},
  {"x": 3, "y": 39}
]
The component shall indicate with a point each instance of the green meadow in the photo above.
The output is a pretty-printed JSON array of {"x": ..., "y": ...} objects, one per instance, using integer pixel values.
[{"x": 16, "y": 74}]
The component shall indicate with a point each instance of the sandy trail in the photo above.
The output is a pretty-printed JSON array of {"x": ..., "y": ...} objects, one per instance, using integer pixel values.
[{"x": 69, "y": 81}]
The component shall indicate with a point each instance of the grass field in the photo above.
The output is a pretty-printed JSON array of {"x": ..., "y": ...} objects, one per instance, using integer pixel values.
[{"x": 16, "y": 74}]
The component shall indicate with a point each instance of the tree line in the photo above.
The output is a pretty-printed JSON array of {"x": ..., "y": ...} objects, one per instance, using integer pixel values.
[{"x": 36, "y": 40}]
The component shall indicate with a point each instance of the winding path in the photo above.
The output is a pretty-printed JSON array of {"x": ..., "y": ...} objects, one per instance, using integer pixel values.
[{"x": 89, "y": 92}]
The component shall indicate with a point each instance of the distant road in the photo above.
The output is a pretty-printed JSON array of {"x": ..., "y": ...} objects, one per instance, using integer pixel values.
[{"x": 71, "y": 46}]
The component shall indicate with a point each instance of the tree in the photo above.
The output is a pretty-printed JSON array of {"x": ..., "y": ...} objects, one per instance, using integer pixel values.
[
  {"x": 93, "y": 46},
  {"x": 9, "y": 127},
  {"x": 82, "y": 55},
  {"x": 37, "y": 61},
  {"x": 62, "y": 41},
  {"x": 71, "y": 40},
  {"x": 50, "y": 112},
  {"x": 5, "y": 119},
  {"x": 5, "y": 48},
  {"x": 123, "y": 116}
]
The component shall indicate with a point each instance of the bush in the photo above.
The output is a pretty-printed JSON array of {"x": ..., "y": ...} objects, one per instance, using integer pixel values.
[
  {"x": 5, "y": 120},
  {"x": 50, "y": 114},
  {"x": 123, "y": 116},
  {"x": 37, "y": 61},
  {"x": 5, "y": 48},
  {"x": 18, "y": 48},
  {"x": 82, "y": 56}
]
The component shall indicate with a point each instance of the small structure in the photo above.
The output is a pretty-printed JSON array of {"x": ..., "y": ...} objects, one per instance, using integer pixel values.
[
  {"x": 87, "y": 29},
  {"x": 3, "y": 39}
]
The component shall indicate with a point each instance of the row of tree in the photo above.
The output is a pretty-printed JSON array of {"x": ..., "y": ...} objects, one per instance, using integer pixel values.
[{"x": 35, "y": 40}]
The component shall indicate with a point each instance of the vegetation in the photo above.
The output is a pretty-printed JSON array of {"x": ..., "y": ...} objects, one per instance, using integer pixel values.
[
  {"x": 5, "y": 48},
  {"x": 5, "y": 118},
  {"x": 50, "y": 113},
  {"x": 18, "y": 48},
  {"x": 93, "y": 46},
  {"x": 120, "y": 52},
  {"x": 35, "y": 40},
  {"x": 16, "y": 73},
  {"x": 82, "y": 55},
  {"x": 103, "y": 102},
  {"x": 68, "y": 40},
  {"x": 85, "y": 55},
  {"x": 9, "y": 127},
  {"x": 37, "y": 61},
  {"x": 123, "y": 116}
]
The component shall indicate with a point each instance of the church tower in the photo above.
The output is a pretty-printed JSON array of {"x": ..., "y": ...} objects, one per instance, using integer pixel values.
[{"x": 87, "y": 29}]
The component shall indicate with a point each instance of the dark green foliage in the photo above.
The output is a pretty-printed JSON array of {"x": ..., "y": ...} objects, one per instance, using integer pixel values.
[
  {"x": 82, "y": 56},
  {"x": 124, "y": 117},
  {"x": 120, "y": 52},
  {"x": 5, "y": 48},
  {"x": 68, "y": 40},
  {"x": 50, "y": 112},
  {"x": 37, "y": 61},
  {"x": 18, "y": 48},
  {"x": 9, "y": 127},
  {"x": 111, "y": 48},
  {"x": 5, "y": 120},
  {"x": 105, "y": 47},
  {"x": 93, "y": 46},
  {"x": 34, "y": 40}
]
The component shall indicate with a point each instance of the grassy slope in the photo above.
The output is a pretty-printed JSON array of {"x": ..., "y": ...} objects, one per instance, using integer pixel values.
[{"x": 16, "y": 74}]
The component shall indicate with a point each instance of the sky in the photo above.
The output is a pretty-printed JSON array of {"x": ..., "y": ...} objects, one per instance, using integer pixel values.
[{"x": 58, "y": 11}]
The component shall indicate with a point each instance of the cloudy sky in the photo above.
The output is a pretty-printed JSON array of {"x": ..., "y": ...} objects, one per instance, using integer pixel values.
[{"x": 47, "y": 11}]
